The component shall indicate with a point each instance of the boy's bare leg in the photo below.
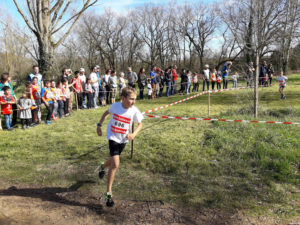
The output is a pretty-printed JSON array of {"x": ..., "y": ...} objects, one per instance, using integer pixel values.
[
  {"x": 114, "y": 164},
  {"x": 107, "y": 163}
]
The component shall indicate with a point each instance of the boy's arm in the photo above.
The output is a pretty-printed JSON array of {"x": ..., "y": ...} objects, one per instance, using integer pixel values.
[
  {"x": 104, "y": 116},
  {"x": 131, "y": 136}
]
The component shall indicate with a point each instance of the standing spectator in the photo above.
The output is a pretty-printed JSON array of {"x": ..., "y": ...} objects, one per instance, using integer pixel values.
[
  {"x": 195, "y": 82},
  {"x": 282, "y": 84},
  {"x": 225, "y": 73},
  {"x": 158, "y": 81},
  {"x": 153, "y": 76},
  {"x": 90, "y": 93},
  {"x": 55, "y": 103},
  {"x": 83, "y": 82},
  {"x": 213, "y": 79},
  {"x": 67, "y": 95},
  {"x": 48, "y": 99},
  {"x": 161, "y": 82},
  {"x": 183, "y": 82},
  {"x": 206, "y": 77},
  {"x": 36, "y": 93},
  {"x": 263, "y": 72},
  {"x": 24, "y": 105},
  {"x": 131, "y": 77},
  {"x": 250, "y": 74},
  {"x": 65, "y": 74},
  {"x": 122, "y": 83},
  {"x": 142, "y": 82},
  {"x": 168, "y": 78},
  {"x": 270, "y": 73},
  {"x": 102, "y": 94},
  {"x": 36, "y": 74},
  {"x": 234, "y": 79},
  {"x": 77, "y": 89},
  {"x": 60, "y": 98},
  {"x": 189, "y": 81},
  {"x": 94, "y": 80},
  {"x": 113, "y": 84},
  {"x": 174, "y": 80},
  {"x": 5, "y": 81},
  {"x": 219, "y": 80},
  {"x": 105, "y": 80},
  {"x": 149, "y": 89},
  {"x": 6, "y": 102}
]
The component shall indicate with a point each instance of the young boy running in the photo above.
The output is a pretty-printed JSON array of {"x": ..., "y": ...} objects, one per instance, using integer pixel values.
[
  {"x": 282, "y": 83},
  {"x": 123, "y": 114}
]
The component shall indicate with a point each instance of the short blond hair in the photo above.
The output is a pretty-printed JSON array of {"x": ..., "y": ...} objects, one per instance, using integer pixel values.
[{"x": 127, "y": 91}]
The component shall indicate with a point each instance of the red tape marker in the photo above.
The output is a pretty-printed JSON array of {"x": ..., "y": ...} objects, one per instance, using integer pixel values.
[{"x": 222, "y": 120}]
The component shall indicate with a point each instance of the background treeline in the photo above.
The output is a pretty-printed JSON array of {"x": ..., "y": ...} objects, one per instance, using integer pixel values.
[{"x": 189, "y": 36}]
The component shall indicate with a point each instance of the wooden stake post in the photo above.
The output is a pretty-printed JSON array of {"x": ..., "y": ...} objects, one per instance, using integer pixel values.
[
  {"x": 208, "y": 103},
  {"x": 132, "y": 130}
]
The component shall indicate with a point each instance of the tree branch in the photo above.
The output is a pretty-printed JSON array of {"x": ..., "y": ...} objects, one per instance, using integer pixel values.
[
  {"x": 24, "y": 17},
  {"x": 77, "y": 15}
]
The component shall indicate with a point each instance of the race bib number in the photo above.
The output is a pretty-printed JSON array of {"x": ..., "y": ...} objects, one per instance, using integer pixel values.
[{"x": 120, "y": 124}]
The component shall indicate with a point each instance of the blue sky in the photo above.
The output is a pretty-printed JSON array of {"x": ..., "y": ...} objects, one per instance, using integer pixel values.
[{"x": 8, "y": 7}]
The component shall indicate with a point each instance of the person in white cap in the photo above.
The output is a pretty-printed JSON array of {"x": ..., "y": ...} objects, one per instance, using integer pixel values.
[{"x": 82, "y": 77}]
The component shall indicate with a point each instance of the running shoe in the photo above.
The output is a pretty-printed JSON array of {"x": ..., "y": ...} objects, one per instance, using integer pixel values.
[
  {"x": 101, "y": 171},
  {"x": 108, "y": 199}
]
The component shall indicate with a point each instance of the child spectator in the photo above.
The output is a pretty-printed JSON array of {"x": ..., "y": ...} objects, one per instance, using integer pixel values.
[
  {"x": 77, "y": 89},
  {"x": 149, "y": 89},
  {"x": 6, "y": 102},
  {"x": 102, "y": 94},
  {"x": 90, "y": 93},
  {"x": 189, "y": 81},
  {"x": 33, "y": 109},
  {"x": 36, "y": 93},
  {"x": 282, "y": 84},
  {"x": 67, "y": 95},
  {"x": 113, "y": 86},
  {"x": 124, "y": 113},
  {"x": 213, "y": 79},
  {"x": 60, "y": 98},
  {"x": 195, "y": 82},
  {"x": 183, "y": 82},
  {"x": 219, "y": 80},
  {"x": 122, "y": 83},
  {"x": 55, "y": 103},
  {"x": 270, "y": 72},
  {"x": 24, "y": 105},
  {"x": 48, "y": 99},
  {"x": 205, "y": 77},
  {"x": 234, "y": 79}
]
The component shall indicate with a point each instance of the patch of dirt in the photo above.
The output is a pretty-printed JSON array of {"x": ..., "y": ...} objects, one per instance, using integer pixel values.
[{"x": 21, "y": 205}]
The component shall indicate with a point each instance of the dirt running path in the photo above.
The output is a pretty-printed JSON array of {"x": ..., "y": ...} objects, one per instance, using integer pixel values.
[{"x": 62, "y": 206}]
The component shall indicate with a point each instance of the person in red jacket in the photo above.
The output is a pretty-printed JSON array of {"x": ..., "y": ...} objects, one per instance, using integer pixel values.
[
  {"x": 174, "y": 80},
  {"x": 6, "y": 102}
]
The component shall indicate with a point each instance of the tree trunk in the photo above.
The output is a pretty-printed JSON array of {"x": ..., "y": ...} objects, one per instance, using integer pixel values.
[
  {"x": 256, "y": 87},
  {"x": 45, "y": 57}
]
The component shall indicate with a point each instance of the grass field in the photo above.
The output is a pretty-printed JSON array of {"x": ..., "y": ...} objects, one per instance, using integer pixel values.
[{"x": 251, "y": 167}]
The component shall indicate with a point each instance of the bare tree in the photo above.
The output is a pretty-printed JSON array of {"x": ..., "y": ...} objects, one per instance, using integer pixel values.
[
  {"x": 47, "y": 18},
  {"x": 198, "y": 24},
  {"x": 261, "y": 20},
  {"x": 290, "y": 28}
]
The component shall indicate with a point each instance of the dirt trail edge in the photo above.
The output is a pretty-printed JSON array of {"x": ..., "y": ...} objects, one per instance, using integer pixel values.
[{"x": 47, "y": 205}]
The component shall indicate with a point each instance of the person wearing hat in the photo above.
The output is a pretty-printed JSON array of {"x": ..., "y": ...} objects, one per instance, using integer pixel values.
[{"x": 82, "y": 77}]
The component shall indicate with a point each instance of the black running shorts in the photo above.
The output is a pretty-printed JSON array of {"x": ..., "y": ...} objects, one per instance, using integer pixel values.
[{"x": 115, "y": 148}]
